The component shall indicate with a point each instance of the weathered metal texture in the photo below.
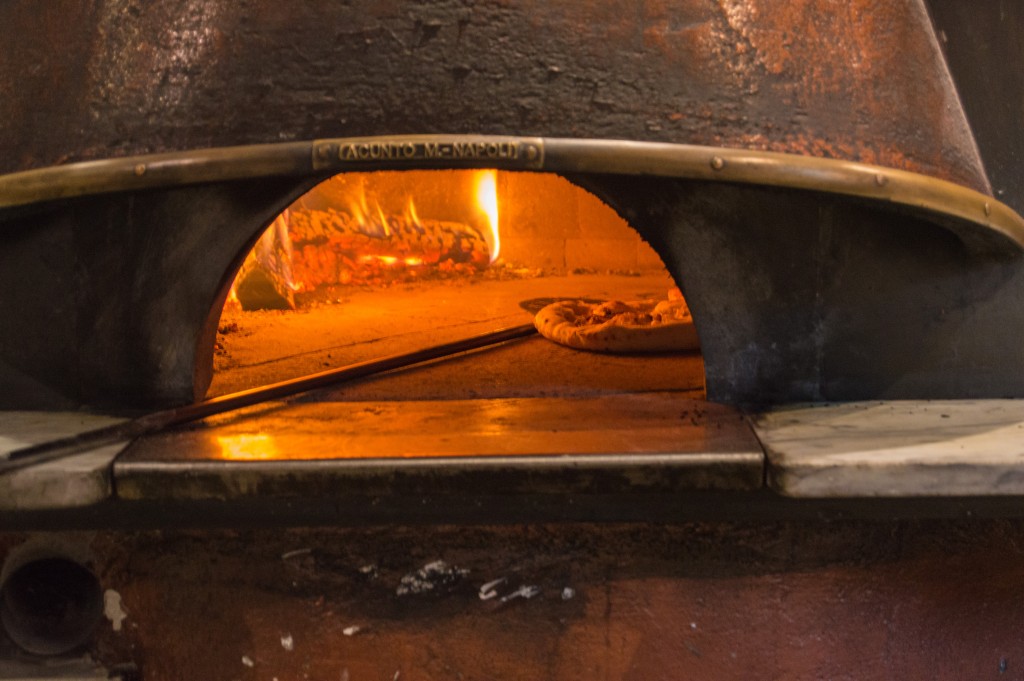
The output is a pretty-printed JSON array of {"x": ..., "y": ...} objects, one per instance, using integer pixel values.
[
  {"x": 802, "y": 299},
  {"x": 984, "y": 51},
  {"x": 862, "y": 80},
  {"x": 115, "y": 294},
  {"x": 794, "y": 600}
]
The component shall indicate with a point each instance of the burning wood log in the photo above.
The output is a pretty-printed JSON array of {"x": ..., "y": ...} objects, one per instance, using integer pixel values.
[
  {"x": 333, "y": 247},
  {"x": 306, "y": 249}
]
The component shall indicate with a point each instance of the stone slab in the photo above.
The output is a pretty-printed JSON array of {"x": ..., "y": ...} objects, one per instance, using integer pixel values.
[
  {"x": 895, "y": 448},
  {"x": 75, "y": 481}
]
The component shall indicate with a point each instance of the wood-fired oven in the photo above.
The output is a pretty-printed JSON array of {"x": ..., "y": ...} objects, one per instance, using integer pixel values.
[{"x": 450, "y": 495}]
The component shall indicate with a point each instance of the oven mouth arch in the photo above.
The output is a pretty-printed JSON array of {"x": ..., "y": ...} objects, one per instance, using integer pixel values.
[
  {"x": 330, "y": 257},
  {"x": 984, "y": 224},
  {"x": 769, "y": 343}
]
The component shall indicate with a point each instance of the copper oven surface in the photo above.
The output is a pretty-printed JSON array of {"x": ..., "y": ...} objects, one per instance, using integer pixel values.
[{"x": 830, "y": 488}]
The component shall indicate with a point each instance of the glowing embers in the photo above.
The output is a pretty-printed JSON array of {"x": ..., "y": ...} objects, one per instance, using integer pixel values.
[{"x": 374, "y": 229}]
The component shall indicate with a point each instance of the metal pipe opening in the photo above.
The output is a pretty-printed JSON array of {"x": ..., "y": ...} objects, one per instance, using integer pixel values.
[{"x": 50, "y": 606}]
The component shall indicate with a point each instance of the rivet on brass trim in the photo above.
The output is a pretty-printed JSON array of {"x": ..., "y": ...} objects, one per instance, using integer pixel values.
[{"x": 717, "y": 163}]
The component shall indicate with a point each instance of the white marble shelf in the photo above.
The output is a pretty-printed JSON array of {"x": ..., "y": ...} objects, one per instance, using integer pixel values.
[
  {"x": 75, "y": 481},
  {"x": 895, "y": 448}
]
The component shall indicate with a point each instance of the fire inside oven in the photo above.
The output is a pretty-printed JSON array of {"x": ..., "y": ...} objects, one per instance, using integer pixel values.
[{"x": 375, "y": 263}]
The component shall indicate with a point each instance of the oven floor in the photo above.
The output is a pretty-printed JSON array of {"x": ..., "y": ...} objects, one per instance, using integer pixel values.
[
  {"x": 265, "y": 347},
  {"x": 660, "y": 442},
  {"x": 626, "y": 424}
]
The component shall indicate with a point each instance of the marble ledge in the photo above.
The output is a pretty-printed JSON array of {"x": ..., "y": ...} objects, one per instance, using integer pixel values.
[
  {"x": 895, "y": 449},
  {"x": 72, "y": 482}
]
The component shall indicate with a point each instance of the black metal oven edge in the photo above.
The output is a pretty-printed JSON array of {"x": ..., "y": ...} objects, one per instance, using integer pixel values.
[{"x": 760, "y": 506}]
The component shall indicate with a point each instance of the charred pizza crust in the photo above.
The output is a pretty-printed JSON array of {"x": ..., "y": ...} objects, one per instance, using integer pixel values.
[{"x": 616, "y": 326}]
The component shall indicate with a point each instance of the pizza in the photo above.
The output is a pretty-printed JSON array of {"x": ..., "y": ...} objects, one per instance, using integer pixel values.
[{"x": 617, "y": 326}]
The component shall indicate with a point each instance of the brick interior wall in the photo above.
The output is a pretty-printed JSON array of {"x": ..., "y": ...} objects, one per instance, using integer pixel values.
[{"x": 550, "y": 222}]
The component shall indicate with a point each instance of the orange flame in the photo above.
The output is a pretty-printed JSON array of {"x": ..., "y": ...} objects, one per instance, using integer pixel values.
[
  {"x": 487, "y": 199},
  {"x": 383, "y": 220},
  {"x": 331, "y": 231},
  {"x": 413, "y": 217},
  {"x": 358, "y": 206}
]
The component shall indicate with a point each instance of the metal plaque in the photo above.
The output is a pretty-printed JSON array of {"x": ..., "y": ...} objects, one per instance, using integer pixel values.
[{"x": 430, "y": 151}]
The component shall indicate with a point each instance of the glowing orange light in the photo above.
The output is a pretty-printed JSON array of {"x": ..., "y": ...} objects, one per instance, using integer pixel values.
[
  {"x": 364, "y": 219},
  {"x": 383, "y": 221},
  {"x": 487, "y": 199},
  {"x": 413, "y": 217},
  {"x": 386, "y": 259},
  {"x": 358, "y": 207},
  {"x": 247, "y": 447}
]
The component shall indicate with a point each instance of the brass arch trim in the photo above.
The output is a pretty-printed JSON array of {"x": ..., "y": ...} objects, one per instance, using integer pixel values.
[{"x": 982, "y": 222}]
